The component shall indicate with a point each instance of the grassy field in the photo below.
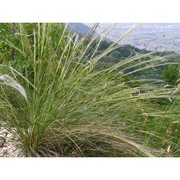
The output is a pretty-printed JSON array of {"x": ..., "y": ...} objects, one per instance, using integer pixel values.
[{"x": 56, "y": 103}]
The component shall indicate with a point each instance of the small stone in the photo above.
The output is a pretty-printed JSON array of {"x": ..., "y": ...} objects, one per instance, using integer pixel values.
[
  {"x": 2, "y": 143},
  {"x": 4, "y": 134},
  {"x": 9, "y": 135},
  {"x": 6, "y": 144},
  {"x": 4, "y": 148}
]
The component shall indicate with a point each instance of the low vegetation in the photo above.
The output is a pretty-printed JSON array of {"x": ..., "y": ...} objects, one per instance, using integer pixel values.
[{"x": 57, "y": 100}]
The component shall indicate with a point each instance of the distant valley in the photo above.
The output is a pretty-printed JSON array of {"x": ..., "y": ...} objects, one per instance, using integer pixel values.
[{"x": 150, "y": 36}]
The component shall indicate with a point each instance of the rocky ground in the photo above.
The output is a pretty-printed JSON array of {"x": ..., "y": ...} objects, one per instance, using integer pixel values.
[{"x": 8, "y": 144}]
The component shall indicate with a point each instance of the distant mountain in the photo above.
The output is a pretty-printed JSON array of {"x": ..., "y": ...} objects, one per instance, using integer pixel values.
[
  {"x": 80, "y": 28},
  {"x": 83, "y": 29}
]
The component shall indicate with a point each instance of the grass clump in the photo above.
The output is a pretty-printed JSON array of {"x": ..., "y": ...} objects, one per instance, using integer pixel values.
[{"x": 57, "y": 103}]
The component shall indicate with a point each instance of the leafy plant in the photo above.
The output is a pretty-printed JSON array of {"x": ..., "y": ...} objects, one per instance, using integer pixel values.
[{"x": 171, "y": 74}]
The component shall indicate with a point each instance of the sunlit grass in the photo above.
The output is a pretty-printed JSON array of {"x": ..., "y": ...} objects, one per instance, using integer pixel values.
[{"x": 60, "y": 106}]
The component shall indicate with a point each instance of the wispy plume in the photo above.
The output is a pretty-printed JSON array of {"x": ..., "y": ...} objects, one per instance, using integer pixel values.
[{"x": 9, "y": 81}]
